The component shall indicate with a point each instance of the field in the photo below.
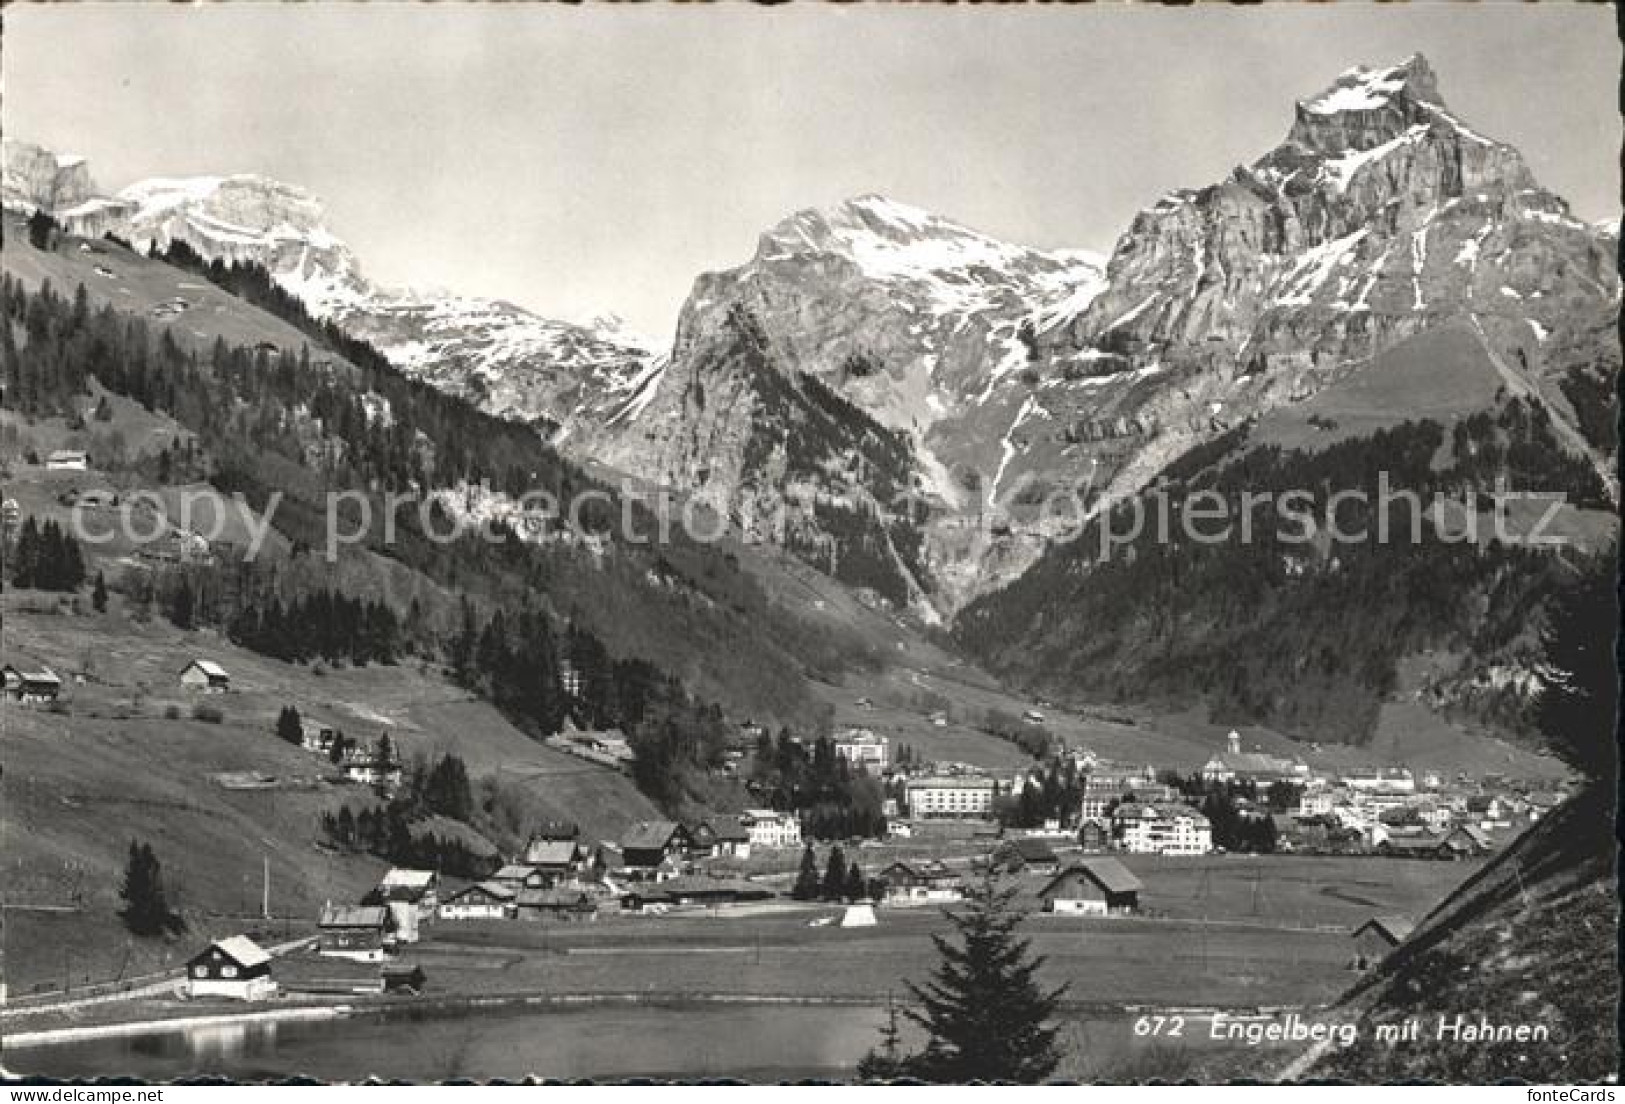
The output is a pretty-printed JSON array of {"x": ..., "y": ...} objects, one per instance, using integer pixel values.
[
  {"x": 1227, "y": 932},
  {"x": 125, "y": 280},
  {"x": 80, "y": 784}
]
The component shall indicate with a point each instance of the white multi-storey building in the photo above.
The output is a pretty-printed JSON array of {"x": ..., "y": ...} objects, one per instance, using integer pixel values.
[
  {"x": 769, "y": 828},
  {"x": 1147, "y": 829},
  {"x": 1391, "y": 779},
  {"x": 861, "y": 747},
  {"x": 951, "y": 797}
]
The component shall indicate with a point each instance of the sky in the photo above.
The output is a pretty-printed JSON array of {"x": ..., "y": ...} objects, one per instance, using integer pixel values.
[{"x": 594, "y": 159}]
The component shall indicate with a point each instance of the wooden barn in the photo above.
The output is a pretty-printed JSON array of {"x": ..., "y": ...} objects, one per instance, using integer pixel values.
[
  {"x": 357, "y": 932},
  {"x": 1094, "y": 886},
  {"x": 205, "y": 675}
]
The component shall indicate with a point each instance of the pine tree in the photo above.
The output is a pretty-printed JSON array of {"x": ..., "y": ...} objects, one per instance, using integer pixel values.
[
  {"x": 807, "y": 884},
  {"x": 98, "y": 595},
  {"x": 146, "y": 910},
  {"x": 886, "y": 1062},
  {"x": 854, "y": 888},
  {"x": 289, "y": 727},
  {"x": 985, "y": 1016},
  {"x": 835, "y": 875}
]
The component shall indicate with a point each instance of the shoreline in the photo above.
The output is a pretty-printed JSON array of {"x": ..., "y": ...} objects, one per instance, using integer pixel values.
[{"x": 59, "y": 1035}]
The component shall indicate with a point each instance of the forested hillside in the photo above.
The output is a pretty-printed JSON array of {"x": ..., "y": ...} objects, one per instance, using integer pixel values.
[
  {"x": 1284, "y": 625},
  {"x": 676, "y": 630}
]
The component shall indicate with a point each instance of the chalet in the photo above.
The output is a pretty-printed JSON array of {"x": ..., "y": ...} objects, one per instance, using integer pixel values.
[
  {"x": 554, "y": 860},
  {"x": 317, "y": 738},
  {"x": 1379, "y": 935},
  {"x": 205, "y": 675},
  {"x": 356, "y": 932},
  {"x": 489, "y": 900},
  {"x": 730, "y": 837},
  {"x": 1093, "y": 886},
  {"x": 235, "y": 968},
  {"x": 930, "y": 882},
  {"x": 67, "y": 460},
  {"x": 555, "y": 904},
  {"x": 368, "y": 768},
  {"x": 1094, "y": 835},
  {"x": 608, "y": 862},
  {"x": 411, "y": 896},
  {"x": 1032, "y": 856},
  {"x": 649, "y": 843},
  {"x": 31, "y": 687},
  {"x": 516, "y": 876}
]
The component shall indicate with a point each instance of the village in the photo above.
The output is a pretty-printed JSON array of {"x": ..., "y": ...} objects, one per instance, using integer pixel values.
[{"x": 1127, "y": 836}]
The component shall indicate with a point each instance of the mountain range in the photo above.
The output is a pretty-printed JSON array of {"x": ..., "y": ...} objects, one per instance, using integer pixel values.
[{"x": 901, "y": 400}]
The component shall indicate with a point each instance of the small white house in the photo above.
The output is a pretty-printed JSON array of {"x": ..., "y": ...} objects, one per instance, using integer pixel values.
[
  {"x": 235, "y": 968},
  {"x": 67, "y": 460},
  {"x": 205, "y": 675}
]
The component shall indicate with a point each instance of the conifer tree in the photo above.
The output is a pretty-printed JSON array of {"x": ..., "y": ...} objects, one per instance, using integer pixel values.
[
  {"x": 835, "y": 875},
  {"x": 289, "y": 727},
  {"x": 146, "y": 909},
  {"x": 854, "y": 884},
  {"x": 985, "y": 1016},
  {"x": 807, "y": 885},
  {"x": 98, "y": 595},
  {"x": 887, "y": 1061}
]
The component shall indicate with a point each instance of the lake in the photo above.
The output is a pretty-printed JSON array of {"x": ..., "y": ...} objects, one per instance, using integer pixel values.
[
  {"x": 692, "y": 1041},
  {"x": 753, "y": 1042}
]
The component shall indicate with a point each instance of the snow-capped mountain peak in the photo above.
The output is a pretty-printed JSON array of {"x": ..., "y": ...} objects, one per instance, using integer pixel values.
[
  {"x": 507, "y": 359},
  {"x": 1365, "y": 88}
]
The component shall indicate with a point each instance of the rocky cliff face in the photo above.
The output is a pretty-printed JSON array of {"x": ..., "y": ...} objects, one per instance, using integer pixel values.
[
  {"x": 1380, "y": 215},
  {"x": 497, "y": 355},
  {"x": 32, "y": 177},
  {"x": 923, "y": 325}
]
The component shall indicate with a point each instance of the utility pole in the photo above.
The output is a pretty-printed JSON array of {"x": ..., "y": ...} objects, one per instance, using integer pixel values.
[{"x": 265, "y": 888}]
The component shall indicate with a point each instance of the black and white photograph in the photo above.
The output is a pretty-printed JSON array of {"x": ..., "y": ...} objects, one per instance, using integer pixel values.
[{"x": 852, "y": 544}]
